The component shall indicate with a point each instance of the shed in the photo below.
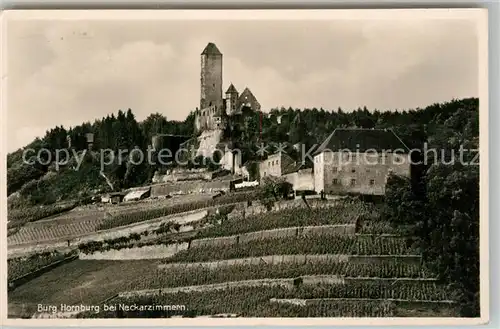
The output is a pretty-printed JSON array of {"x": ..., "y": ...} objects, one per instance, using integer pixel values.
[{"x": 137, "y": 195}]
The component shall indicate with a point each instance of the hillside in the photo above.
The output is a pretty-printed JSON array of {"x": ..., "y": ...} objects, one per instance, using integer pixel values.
[
  {"x": 45, "y": 184},
  {"x": 261, "y": 274},
  {"x": 250, "y": 255}
]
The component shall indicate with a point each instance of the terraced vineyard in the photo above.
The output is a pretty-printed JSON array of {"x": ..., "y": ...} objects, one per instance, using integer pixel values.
[
  {"x": 17, "y": 267},
  {"x": 352, "y": 245},
  {"x": 363, "y": 300},
  {"x": 369, "y": 288},
  {"x": 83, "y": 221},
  {"x": 345, "y": 214},
  {"x": 40, "y": 233},
  {"x": 144, "y": 215},
  {"x": 178, "y": 277}
]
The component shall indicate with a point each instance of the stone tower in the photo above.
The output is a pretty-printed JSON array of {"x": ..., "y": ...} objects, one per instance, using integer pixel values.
[
  {"x": 211, "y": 77},
  {"x": 231, "y": 100}
]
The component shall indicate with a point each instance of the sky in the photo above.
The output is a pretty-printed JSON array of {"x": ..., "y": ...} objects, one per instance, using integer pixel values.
[{"x": 65, "y": 72}]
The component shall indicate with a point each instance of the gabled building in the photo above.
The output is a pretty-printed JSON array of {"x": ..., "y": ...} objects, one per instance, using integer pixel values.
[
  {"x": 248, "y": 100},
  {"x": 276, "y": 165},
  {"x": 359, "y": 161}
]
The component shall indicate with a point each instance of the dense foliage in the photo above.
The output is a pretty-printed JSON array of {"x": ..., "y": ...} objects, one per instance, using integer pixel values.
[
  {"x": 441, "y": 205},
  {"x": 308, "y": 126},
  {"x": 17, "y": 267},
  {"x": 42, "y": 182}
]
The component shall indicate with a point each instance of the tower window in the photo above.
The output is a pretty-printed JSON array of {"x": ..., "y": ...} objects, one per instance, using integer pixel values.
[
  {"x": 372, "y": 182},
  {"x": 353, "y": 182}
]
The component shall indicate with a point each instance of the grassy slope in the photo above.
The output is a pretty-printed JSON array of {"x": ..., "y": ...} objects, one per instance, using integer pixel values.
[{"x": 87, "y": 282}]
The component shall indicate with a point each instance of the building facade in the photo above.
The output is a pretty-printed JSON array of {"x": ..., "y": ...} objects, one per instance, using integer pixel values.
[
  {"x": 359, "y": 161},
  {"x": 277, "y": 165}
]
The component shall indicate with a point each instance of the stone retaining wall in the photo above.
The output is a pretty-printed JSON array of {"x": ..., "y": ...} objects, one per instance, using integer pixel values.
[
  {"x": 258, "y": 208},
  {"x": 298, "y": 259},
  {"x": 153, "y": 224},
  {"x": 287, "y": 283},
  {"x": 146, "y": 252},
  {"x": 187, "y": 187},
  {"x": 297, "y": 231}
]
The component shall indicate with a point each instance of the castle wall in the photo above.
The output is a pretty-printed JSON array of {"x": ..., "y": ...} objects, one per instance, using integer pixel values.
[
  {"x": 208, "y": 140},
  {"x": 209, "y": 118},
  {"x": 182, "y": 174},
  {"x": 187, "y": 187},
  {"x": 232, "y": 161}
]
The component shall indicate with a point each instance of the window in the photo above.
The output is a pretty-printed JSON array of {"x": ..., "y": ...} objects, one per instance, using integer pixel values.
[
  {"x": 335, "y": 181},
  {"x": 353, "y": 182},
  {"x": 335, "y": 169},
  {"x": 372, "y": 182},
  {"x": 353, "y": 170}
]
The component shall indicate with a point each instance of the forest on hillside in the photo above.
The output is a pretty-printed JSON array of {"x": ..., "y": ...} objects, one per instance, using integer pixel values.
[{"x": 443, "y": 124}]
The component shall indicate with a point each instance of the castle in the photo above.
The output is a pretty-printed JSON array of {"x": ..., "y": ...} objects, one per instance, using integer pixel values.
[{"x": 215, "y": 111}]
